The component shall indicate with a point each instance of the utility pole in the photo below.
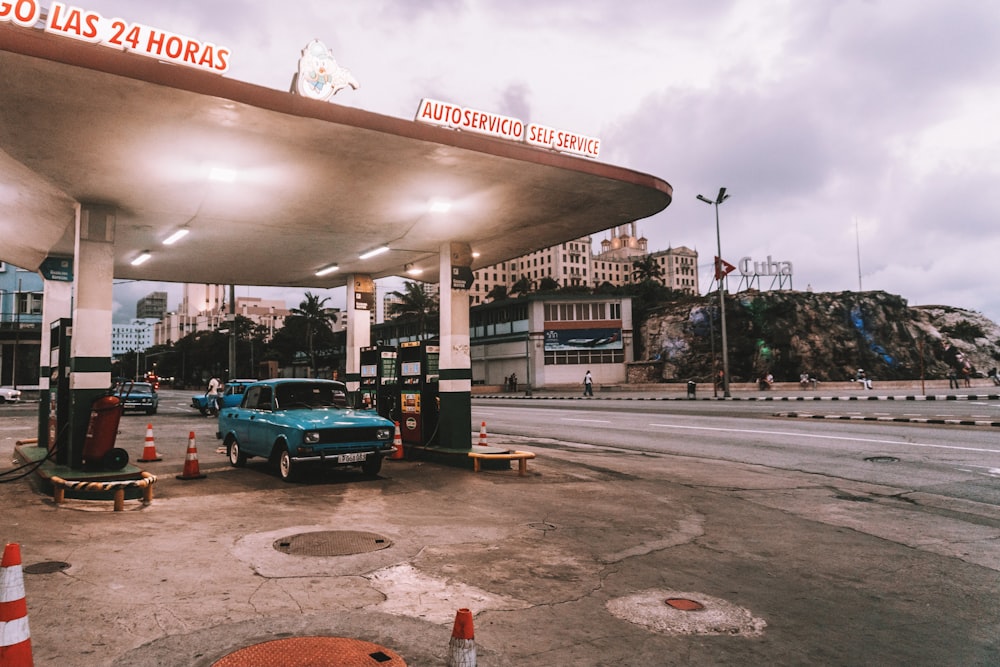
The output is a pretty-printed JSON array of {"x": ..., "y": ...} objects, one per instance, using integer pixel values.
[{"x": 720, "y": 275}]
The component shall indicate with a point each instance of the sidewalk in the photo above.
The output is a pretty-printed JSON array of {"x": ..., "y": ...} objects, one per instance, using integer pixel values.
[{"x": 781, "y": 391}]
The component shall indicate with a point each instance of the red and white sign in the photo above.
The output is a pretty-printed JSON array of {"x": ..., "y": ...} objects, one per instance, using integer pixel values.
[
  {"x": 565, "y": 142},
  {"x": 89, "y": 26},
  {"x": 445, "y": 114},
  {"x": 722, "y": 268},
  {"x": 470, "y": 120}
]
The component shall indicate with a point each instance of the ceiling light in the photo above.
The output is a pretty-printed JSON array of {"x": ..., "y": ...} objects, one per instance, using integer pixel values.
[
  {"x": 327, "y": 270},
  {"x": 440, "y": 206},
  {"x": 413, "y": 270},
  {"x": 475, "y": 254},
  {"x": 176, "y": 236},
  {"x": 374, "y": 251},
  {"x": 222, "y": 175},
  {"x": 143, "y": 256}
]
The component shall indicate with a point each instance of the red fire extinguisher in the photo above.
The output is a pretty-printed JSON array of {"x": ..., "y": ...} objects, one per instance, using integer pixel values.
[{"x": 99, "y": 451}]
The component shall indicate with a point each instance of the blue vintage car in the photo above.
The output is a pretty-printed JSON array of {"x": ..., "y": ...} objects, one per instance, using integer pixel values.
[
  {"x": 231, "y": 396},
  {"x": 295, "y": 422},
  {"x": 138, "y": 396}
]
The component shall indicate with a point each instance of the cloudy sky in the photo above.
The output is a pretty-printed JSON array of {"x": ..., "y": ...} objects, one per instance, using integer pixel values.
[{"x": 858, "y": 139}]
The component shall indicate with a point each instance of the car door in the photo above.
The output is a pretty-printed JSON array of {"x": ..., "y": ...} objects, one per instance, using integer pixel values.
[
  {"x": 238, "y": 420},
  {"x": 259, "y": 409}
]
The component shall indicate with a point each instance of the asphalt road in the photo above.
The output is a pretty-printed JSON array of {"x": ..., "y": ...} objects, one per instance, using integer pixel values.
[{"x": 951, "y": 460}]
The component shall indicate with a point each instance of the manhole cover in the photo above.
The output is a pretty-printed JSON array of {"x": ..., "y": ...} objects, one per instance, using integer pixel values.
[
  {"x": 331, "y": 543},
  {"x": 312, "y": 652},
  {"x": 685, "y": 604},
  {"x": 541, "y": 525},
  {"x": 881, "y": 459},
  {"x": 46, "y": 567}
]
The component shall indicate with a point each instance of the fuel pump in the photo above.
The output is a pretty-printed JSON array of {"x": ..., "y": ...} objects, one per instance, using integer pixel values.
[
  {"x": 57, "y": 428},
  {"x": 379, "y": 389},
  {"x": 418, "y": 392}
]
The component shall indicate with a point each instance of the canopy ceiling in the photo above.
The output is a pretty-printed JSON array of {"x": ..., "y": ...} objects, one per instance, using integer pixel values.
[{"x": 305, "y": 183}]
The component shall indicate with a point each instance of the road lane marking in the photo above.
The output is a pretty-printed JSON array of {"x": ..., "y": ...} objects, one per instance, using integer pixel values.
[
  {"x": 591, "y": 421},
  {"x": 827, "y": 437}
]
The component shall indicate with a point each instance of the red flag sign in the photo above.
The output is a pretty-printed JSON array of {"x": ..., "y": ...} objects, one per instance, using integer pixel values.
[{"x": 722, "y": 268}]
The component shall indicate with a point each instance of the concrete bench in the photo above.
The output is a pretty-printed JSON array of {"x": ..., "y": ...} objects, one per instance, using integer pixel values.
[{"x": 520, "y": 457}]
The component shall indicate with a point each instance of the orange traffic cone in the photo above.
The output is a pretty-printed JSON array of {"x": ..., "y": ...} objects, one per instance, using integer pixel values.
[
  {"x": 397, "y": 442},
  {"x": 191, "y": 470},
  {"x": 462, "y": 648},
  {"x": 149, "y": 450},
  {"x": 15, "y": 638},
  {"x": 482, "y": 436}
]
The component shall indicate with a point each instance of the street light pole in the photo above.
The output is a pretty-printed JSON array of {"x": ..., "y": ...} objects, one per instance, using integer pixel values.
[{"x": 720, "y": 276}]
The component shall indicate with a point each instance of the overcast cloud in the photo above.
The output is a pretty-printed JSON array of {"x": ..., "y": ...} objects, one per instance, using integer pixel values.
[{"x": 834, "y": 124}]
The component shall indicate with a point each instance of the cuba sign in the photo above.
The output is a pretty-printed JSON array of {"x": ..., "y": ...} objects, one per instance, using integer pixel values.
[{"x": 748, "y": 267}]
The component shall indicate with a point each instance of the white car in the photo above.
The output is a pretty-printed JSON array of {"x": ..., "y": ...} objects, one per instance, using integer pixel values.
[{"x": 9, "y": 395}]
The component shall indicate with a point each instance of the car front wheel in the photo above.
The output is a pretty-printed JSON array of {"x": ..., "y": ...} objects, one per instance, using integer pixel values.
[
  {"x": 236, "y": 456},
  {"x": 372, "y": 465},
  {"x": 286, "y": 467}
]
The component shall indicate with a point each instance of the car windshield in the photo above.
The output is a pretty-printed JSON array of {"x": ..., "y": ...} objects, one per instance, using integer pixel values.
[
  {"x": 135, "y": 388},
  {"x": 308, "y": 395}
]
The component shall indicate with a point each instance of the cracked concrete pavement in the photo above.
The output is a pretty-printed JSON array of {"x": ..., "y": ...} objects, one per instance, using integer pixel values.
[{"x": 567, "y": 565}]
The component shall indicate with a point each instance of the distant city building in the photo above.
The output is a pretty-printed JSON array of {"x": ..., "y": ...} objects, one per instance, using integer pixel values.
[
  {"x": 151, "y": 306},
  {"x": 136, "y": 336},
  {"x": 20, "y": 325},
  {"x": 573, "y": 264},
  {"x": 270, "y": 313},
  {"x": 204, "y": 308}
]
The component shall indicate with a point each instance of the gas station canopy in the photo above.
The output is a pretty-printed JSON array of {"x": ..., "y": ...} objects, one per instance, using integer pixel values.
[{"x": 271, "y": 186}]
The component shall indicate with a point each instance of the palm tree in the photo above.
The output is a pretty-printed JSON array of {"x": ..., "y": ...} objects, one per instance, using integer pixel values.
[
  {"x": 646, "y": 268},
  {"x": 521, "y": 287},
  {"x": 414, "y": 303},
  {"x": 498, "y": 293},
  {"x": 547, "y": 284},
  {"x": 317, "y": 317}
]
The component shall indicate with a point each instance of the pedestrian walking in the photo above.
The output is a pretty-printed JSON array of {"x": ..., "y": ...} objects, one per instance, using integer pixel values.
[
  {"x": 214, "y": 388},
  {"x": 588, "y": 384}
]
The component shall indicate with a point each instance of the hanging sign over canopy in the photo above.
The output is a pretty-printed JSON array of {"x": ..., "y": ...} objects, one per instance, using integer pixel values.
[
  {"x": 450, "y": 115},
  {"x": 89, "y": 26}
]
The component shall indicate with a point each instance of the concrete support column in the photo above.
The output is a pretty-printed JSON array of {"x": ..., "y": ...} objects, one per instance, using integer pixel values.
[
  {"x": 57, "y": 303},
  {"x": 455, "y": 362},
  {"x": 90, "y": 350},
  {"x": 360, "y": 309}
]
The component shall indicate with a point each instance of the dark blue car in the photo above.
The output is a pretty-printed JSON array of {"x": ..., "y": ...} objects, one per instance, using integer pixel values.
[{"x": 140, "y": 396}]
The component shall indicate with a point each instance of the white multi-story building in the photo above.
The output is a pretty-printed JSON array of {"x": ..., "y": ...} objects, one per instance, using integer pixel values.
[
  {"x": 136, "y": 336},
  {"x": 573, "y": 264}
]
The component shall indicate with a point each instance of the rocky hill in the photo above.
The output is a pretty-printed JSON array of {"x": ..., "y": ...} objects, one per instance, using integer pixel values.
[{"x": 829, "y": 335}]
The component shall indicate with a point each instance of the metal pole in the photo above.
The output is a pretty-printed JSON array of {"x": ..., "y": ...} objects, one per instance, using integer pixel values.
[
  {"x": 857, "y": 238},
  {"x": 17, "y": 335},
  {"x": 715, "y": 375},
  {"x": 232, "y": 332},
  {"x": 722, "y": 305}
]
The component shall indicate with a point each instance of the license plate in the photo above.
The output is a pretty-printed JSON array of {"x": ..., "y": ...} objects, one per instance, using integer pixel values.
[{"x": 352, "y": 458}]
